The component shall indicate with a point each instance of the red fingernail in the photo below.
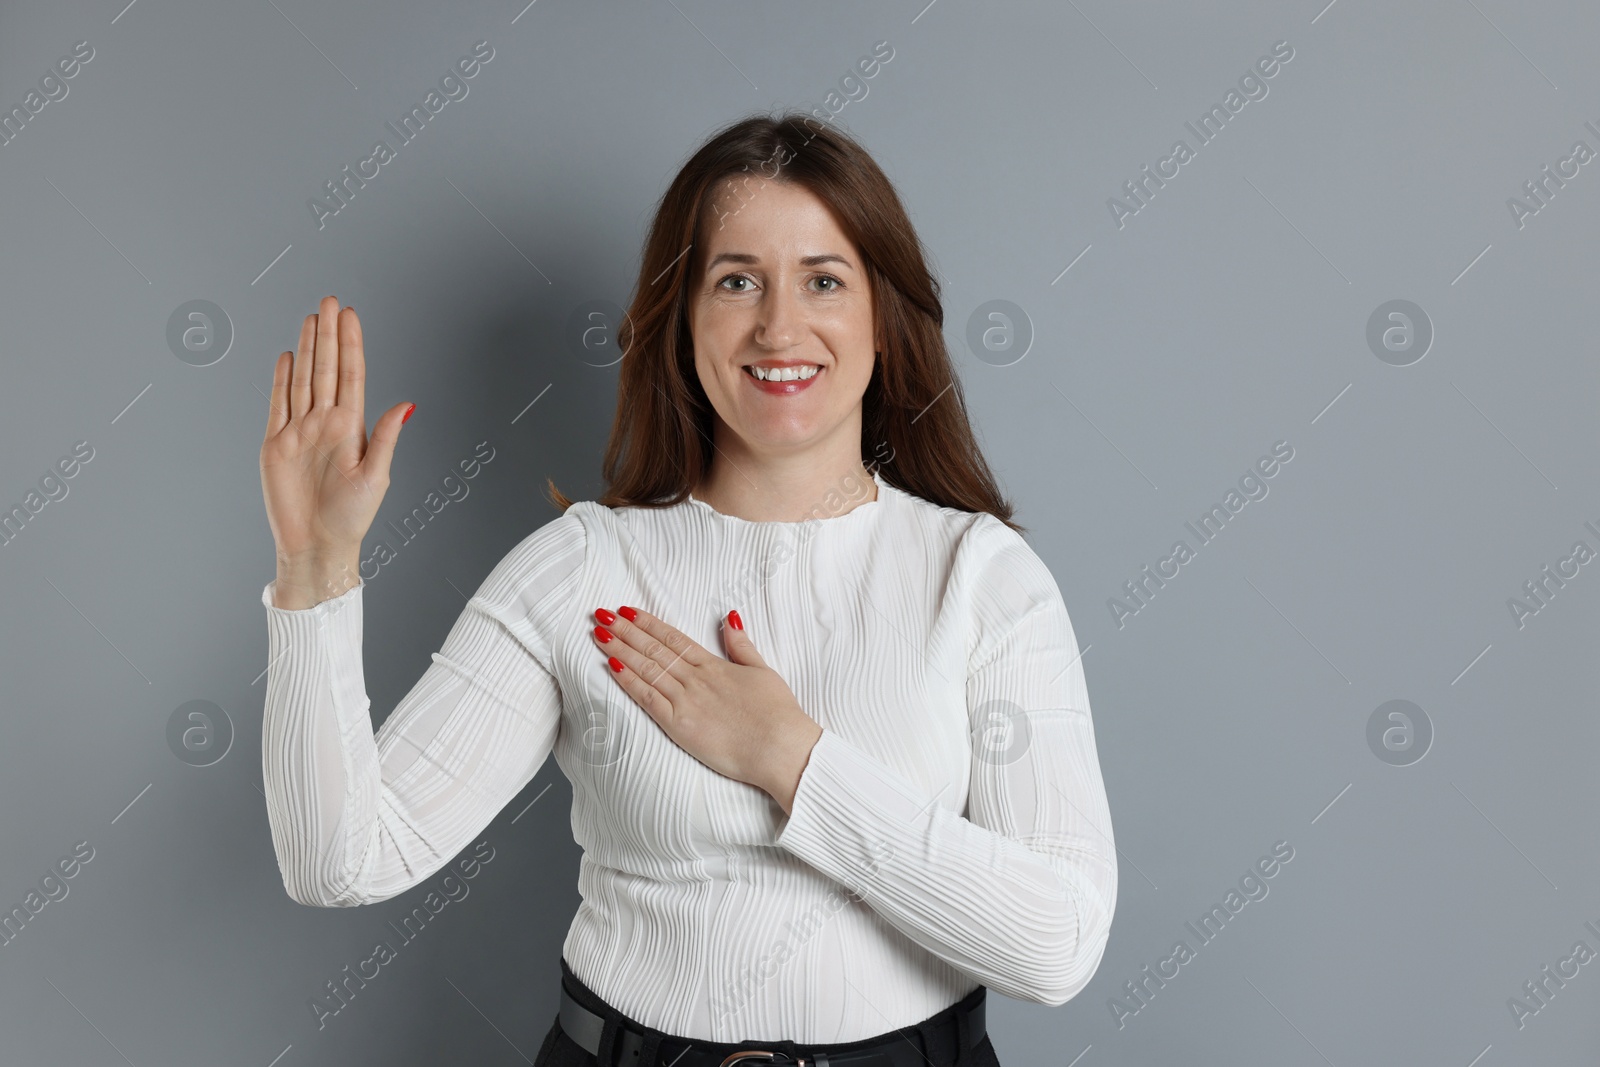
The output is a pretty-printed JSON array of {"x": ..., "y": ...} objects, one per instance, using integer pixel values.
[
  {"x": 616, "y": 664},
  {"x": 734, "y": 620},
  {"x": 602, "y": 633},
  {"x": 628, "y": 613},
  {"x": 407, "y": 415},
  {"x": 604, "y": 616}
]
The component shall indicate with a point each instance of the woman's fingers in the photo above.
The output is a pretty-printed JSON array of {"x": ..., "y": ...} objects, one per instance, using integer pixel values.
[
  {"x": 300, "y": 382},
  {"x": 658, "y": 648},
  {"x": 380, "y": 450},
  {"x": 642, "y": 674},
  {"x": 278, "y": 399},
  {"x": 644, "y": 694},
  {"x": 352, "y": 365},
  {"x": 325, "y": 372}
]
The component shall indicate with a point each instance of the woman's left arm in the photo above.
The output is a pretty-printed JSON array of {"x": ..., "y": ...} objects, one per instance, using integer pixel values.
[{"x": 1018, "y": 892}]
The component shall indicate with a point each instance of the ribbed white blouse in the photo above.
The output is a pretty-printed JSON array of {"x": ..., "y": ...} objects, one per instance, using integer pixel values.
[{"x": 950, "y": 828}]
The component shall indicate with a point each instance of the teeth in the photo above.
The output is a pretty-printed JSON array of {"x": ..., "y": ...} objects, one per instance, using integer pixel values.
[{"x": 784, "y": 374}]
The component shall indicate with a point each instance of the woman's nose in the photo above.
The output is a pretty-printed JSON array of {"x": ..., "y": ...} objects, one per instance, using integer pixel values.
[{"x": 779, "y": 319}]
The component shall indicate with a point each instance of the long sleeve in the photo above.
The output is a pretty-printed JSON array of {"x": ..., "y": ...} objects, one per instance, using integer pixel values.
[
  {"x": 1018, "y": 891},
  {"x": 358, "y": 818}
]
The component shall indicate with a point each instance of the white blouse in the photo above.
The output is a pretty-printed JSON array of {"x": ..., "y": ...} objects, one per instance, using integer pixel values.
[{"x": 950, "y": 828}]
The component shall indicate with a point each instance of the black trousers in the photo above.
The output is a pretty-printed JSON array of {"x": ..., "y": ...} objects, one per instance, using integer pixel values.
[{"x": 560, "y": 1050}]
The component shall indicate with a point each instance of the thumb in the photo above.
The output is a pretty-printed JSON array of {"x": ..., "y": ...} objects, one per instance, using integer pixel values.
[
  {"x": 385, "y": 434},
  {"x": 741, "y": 649}
]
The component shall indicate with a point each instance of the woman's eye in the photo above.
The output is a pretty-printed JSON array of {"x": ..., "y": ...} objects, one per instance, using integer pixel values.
[{"x": 728, "y": 283}]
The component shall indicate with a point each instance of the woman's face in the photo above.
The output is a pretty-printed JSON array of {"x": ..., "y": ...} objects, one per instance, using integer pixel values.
[{"x": 783, "y": 287}]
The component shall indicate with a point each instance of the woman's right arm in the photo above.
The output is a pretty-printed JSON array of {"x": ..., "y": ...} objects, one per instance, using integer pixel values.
[{"x": 357, "y": 818}]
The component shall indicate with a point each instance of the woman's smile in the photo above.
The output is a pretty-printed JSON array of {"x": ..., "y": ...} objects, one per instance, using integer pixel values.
[{"x": 782, "y": 377}]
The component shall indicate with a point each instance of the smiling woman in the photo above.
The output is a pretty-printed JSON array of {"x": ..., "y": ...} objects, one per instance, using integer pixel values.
[{"x": 824, "y": 806}]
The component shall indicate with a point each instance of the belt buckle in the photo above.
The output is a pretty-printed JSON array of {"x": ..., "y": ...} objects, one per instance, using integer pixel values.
[{"x": 764, "y": 1056}]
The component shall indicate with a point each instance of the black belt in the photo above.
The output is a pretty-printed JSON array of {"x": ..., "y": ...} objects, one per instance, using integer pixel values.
[{"x": 963, "y": 1024}]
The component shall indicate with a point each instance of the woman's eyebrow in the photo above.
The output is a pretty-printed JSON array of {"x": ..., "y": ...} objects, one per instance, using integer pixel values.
[{"x": 805, "y": 261}]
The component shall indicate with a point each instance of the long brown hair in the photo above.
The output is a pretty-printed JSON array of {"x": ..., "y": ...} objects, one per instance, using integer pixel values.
[{"x": 661, "y": 434}]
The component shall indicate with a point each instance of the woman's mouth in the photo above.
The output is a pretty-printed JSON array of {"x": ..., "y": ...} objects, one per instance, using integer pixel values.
[{"x": 784, "y": 379}]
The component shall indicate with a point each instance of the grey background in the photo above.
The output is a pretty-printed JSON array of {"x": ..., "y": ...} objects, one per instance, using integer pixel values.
[{"x": 1230, "y": 313}]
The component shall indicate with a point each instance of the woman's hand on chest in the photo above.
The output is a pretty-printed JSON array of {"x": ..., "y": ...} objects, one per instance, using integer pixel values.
[{"x": 735, "y": 715}]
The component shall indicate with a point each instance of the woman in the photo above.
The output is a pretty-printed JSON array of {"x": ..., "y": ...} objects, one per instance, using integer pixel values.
[{"x": 833, "y": 767}]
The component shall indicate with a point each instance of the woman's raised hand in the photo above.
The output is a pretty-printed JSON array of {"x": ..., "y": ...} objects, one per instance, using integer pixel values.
[{"x": 320, "y": 475}]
